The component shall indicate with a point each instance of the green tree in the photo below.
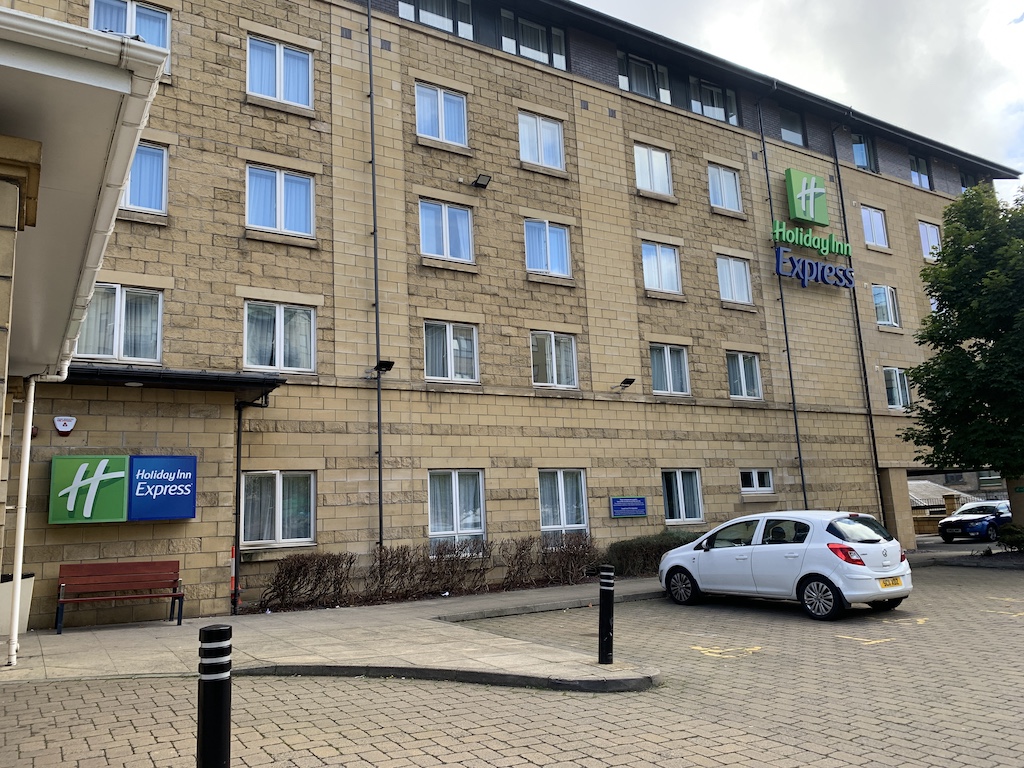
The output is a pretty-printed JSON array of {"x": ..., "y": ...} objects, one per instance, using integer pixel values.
[{"x": 970, "y": 406}]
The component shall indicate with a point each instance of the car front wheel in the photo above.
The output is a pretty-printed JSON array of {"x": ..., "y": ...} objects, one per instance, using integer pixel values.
[
  {"x": 991, "y": 534},
  {"x": 947, "y": 538},
  {"x": 821, "y": 599},
  {"x": 681, "y": 587}
]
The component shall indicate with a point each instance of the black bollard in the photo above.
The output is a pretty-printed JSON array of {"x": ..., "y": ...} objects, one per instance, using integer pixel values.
[
  {"x": 213, "y": 737},
  {"x": 606, "y": 616}
]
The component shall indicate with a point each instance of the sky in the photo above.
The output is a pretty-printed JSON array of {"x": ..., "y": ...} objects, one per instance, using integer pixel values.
[{"x": 951, "y": 70}]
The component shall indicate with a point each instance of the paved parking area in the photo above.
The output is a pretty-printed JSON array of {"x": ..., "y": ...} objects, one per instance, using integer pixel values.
[{"x": 934, "y": 684}]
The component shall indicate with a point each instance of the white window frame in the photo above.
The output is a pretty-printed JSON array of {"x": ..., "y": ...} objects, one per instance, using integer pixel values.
[
  {"x": 646, "y": 158},
  {"x": 551, "y": 533},
  {"x": 457, "y": 17},
  {"x": 280, "y": 72},
  {"x": 875, "y": 231},
  {"x": 887, "y": 310},
  {"x": 512, "y": 37},
  {"x": 931, "y": 239},
  {"x": 117, "y": 326},
  {"x": 666, "y": 351},
  {"x": 131, "y": 23},
  {"x": 279, "y": 337},
  {"x": 549, "y": 229},
  {"x": 278, "y": 539},
  {"x": 661, "y": 267},
  {"x": 446, "y": 241},
  {"x": 459, "y": 531},
  {"x": 729, "y": 109},
  {"x": 919, "y": 178},
  {"x": 897, "y": 387},
  {"x": 552, "y": 359},
  {"x": 748, "y": 390},
  {"x": 788, "y": 134},
  {"x": 281, "y": 175},
  {"x": 530, "y": 123},
  {"x": 443, "y": 130},
  {"x": 734, "y": 280},
  {"x": 449, "y": 361},
  {"x": 759, "y": 480},
  {"x": 134, "y": 180},
  {"x": 678, "y": 512},
  {"x": 658, "y": 73},
  {"x": 870, "y": 158},
  {"x": 728, "y": 181}
]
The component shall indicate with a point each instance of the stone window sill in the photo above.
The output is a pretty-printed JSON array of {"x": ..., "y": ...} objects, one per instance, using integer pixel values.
[
  {"x": 664, "y": 295},
  {"x": 545, "y": 169},
  {"x": 277, "y": 237},
  {"x": 537, "y": 277},
  {"x": 658, "y": 196},
  {"x": 458, "y": 266},
  {"x": 280, "y": 106},
  {"x": 142, "y": 217},
  {"x": 729, "y": 212},
  {"x": 738, "y": 306},
  {"x": 426, "y": 141}
]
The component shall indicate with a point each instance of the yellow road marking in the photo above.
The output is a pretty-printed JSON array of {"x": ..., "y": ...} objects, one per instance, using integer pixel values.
[
  {"x": 726, "y": 653},
  {"x": 1006, "y": 613},
  {"x": 918, "y": 622},
  {"x": 864, "y": 640},
  {"x": 1006, "y": 599}
]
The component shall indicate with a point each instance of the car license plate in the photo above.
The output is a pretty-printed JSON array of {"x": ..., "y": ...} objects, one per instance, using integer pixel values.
[
  {"x": 953, "y": 530},
  {"x": 893, "y": 581}
]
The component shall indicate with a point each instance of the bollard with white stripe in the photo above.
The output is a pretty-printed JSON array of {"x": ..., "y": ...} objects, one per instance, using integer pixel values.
[
  {"x": 213, "y": 737},
  {"x": 606, "y": 616}
]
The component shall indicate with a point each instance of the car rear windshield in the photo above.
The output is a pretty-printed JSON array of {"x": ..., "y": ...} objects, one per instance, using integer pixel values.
[{"x": 859, "y": 530}]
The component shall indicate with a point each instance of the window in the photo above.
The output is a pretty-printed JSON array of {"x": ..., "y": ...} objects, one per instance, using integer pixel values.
[
  {"x": 554, "y": 359},
  {"x": 147, "y": 181},
  {"x": 864, "y": 152},
  {"x": 279, "y": 201},
  {"x": 874, "y": 226},
  {"x": 967, "y": 180},
  {"x": 547, "y": 248},
  {"x": 661, "y": 268},
  {"x": 277, "y": 507},
  {"x": 122, "y": 324},
  {"x": 280, "y": 72},
  {"x": 450, "y": 351},
  {"x": 643, "y": 77},
  {"x": 897, "y": 390},
  {"x": 682, "y": 494},
  {"x": 440, "y": 114},
  {"x": 532, "y": 41},
  {"x": 920, "y": 173},
  {"x": 563, "y": 504},
  {"x": 784, "y": 532},
  {"x": 456, "y": 506},
  {"x": 930, "y": 240},
  {"x": 756, "y": 481},
  {"x": 735, "y": 535},
  {"x": 279, "y": 336},
  {"x": 724, "y": 185},
  {"x": 734, "y": 280},
  {"x": 669, "y": 374},
  {"x": 445, "y": 231},
  {"x": 792, "y": 126},
  {"x": 126, "y": 17},
  {"x": 540, "y": 141},
  {"x": 449, "y": 15},
  {"x": 744, "y": 375},
  {"x": 653, "y": 169},
  {"x": 713, "y": 101},
  {"x": 886, "y": 309}
]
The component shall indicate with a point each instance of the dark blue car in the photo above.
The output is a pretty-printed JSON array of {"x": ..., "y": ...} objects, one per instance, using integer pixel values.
[{"x": 976, "y": 520}]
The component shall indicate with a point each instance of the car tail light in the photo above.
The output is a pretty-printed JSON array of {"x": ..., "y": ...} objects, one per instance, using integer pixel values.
[
  {"x": 903, "y": 555},
  {"x": 846, "y": 553}
]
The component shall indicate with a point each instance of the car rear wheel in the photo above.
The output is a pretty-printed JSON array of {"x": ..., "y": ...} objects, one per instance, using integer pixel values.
[
  {"x": 885, "y": 605},
  {"x": 820, "y": 598},
  {"x": 991, "y": 534},
  {"x": 947, "y": 538},
  {"x": 681, "y": 587}
]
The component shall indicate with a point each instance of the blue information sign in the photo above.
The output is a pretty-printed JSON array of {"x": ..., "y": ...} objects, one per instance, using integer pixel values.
[
  {"x": 629, "y": 506},
  {"x": 162, "y": 488}
]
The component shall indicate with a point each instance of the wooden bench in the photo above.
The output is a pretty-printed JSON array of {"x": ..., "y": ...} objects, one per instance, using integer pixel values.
[{"x": 144, "y": 581}]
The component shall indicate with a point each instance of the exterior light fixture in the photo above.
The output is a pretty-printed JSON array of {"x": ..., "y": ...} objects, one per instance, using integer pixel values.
[
  {"x": 624, "y": 384},
  {"x": 383, "y": 366},
  {"x": 481, "y": 181}
]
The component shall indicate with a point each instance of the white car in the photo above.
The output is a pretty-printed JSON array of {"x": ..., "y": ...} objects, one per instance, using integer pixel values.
[{"x": 825, "y": 560}]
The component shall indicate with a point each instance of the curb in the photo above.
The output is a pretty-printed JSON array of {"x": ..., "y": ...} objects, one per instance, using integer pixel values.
[{"x": 561, "y": 605}]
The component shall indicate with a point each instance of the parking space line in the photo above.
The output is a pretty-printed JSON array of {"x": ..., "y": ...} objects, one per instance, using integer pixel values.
[
  {"x": 1006, "y": 613},
  {"x": 726, "y": 653},
  {"x": 864, "y": 640}
]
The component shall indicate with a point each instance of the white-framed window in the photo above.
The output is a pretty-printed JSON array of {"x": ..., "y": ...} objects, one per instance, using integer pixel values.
[
  {"x": 874, "y": 226},
  {"x": 563, "y": 504},
  {"x": 450, "y": 352},
  {"x": 744, "y": 375},
  {"x": 122, "y": 324},
  {"x": 724, "y": 187},
  {"x": 886, "y": 308},
  {"x": 278, "y": 508},
  {"x": 279, "y": 337},
  {"x": 554, "y": 359},
  {"x": 540, "y": 141},
  {"x": 920, "y": 172},
  {"x": 129, "y": 18},
  {"x": 681, "y": 488},
  {"x": 446, "y": 231},
  {"x": 279, "y": 201},
  {"x": 756, "y": 481},
  {"x": 669, "y": 370},
  {"x": 532, "y": 41},
  {"x": 931, "y": 240},
  {"x": 897, "y": 388},
  {"x": 661, "y": 268},
  {"x": 792, "y": 125},
  {"x": 653, "y": 169},
  {"x": 864, "y": 156},
  {"x": 280, "y": 72},
  {"x": 644, "y": 77},
  {"x": 146, "y": 189},
  {"x": 456, "y": 505},
  {"x": 547, "y": 248},
  {"x": 734, "y": 280},
  {"x": 714, "y": 101},
  {"x": 441, "y": 114},
  {"x": 449, "y": 15}
]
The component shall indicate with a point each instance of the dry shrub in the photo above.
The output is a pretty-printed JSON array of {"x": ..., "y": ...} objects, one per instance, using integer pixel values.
[
  {"x": 520, "y": 556},
  {"x": 313, "y": 580}
]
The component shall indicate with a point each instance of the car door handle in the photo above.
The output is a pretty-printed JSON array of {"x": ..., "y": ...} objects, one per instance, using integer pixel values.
[
  {"x": 742, "y": 557},
  {"x": 791, "y": 555}
]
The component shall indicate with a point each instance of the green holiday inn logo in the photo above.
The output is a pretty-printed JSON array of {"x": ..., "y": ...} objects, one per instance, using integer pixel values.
[
  {"x": 807, "y": 200},
  {"x": 89, "y": 489}
]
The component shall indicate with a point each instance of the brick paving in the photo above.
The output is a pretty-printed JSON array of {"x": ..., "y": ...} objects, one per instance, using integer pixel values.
[{"x": 934, "y": 684}]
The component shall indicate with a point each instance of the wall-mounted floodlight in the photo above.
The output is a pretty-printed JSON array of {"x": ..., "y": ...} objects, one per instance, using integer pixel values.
[
  {"x": 481, "y": 181},
  {"x": 624, "y": 384},
  {"x": 383, "y": 366}
]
